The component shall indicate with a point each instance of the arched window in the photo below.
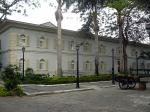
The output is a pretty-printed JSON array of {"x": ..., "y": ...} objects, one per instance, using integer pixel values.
[
  {"x": 118, "y": 51},
  {"x": 71, "y": 65},
  {"x": 102, "y": 66},
  {"x": 42, "y": 42},
  {"x": 86, "y": 47},
  {"x": 21, "y": 64},
  {"x": 87, "y": 65},
  {"x": 133, "y": 66},
  {"x": 71, "y": 45},
  {"x": 133, "y": 52},
  {"x": 42, "y": 64},
  {"x": 102, "y": 49},
  {"x": 23, "y": 40},
  {"x": 148, "y": 66}
]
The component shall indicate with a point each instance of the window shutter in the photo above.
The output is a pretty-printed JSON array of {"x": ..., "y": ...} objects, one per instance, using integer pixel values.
[
  {"x": 69, "y": 65},
  {"x": 28, "y": 41},
  {"x": 63, "y": 44},
  {"x": 47, "y": 43},
  {"x": 38, "y": 44},
  {"x": 46, "y": 64},
  {"x": 55, "y": 43},
  {"x": 27, "y": 63},
  {"x": 84, "y": 66},
  {"x": 90, "y": 65},
  {"x": 37, "y": 64},
  {"x": 18, "y": 40}
]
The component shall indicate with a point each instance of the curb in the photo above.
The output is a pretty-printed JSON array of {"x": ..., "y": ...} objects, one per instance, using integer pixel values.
[
  {"x": 42, "y": 85},
  {"x": 57, "y": 92}
]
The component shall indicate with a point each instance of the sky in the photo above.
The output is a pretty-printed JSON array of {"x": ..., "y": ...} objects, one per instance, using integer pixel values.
[{"x": 45, "y": 13}]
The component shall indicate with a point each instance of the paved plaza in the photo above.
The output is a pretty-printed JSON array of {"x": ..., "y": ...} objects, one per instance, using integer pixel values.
[{"x": 102, "y": 98}]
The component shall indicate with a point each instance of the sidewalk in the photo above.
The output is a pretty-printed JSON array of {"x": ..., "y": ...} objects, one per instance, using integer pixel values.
[{"x": 36, "y": 89}]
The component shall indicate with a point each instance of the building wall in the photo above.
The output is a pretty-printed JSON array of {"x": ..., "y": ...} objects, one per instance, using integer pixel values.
[{"x": 12, "y": 52}]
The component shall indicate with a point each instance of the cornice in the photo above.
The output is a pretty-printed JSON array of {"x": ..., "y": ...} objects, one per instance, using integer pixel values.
[{"x": 29, "y": 26}]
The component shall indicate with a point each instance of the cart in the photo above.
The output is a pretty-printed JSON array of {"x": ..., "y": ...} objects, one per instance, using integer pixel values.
[{"x": 126, "y": 82}]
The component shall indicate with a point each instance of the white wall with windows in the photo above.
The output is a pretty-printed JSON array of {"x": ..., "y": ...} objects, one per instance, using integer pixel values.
[{"x": 41, "y": 51}]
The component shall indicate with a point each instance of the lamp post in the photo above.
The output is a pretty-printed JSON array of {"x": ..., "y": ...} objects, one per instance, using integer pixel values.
[
  {"x": 113, "y": 75},
  {"x": 23, "y": 50},
  {"x": 136, "y": 63},
  {"x": 77, "y": 49}
]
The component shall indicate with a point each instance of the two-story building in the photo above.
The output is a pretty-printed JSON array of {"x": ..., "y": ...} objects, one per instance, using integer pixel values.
[{"x": 40, "y": 42}]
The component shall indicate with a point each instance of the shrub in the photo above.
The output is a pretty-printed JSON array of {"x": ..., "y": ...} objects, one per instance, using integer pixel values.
[
  {"x": 11, "y": 77},
  {"x": 3, "y": 91},
  {"x": 17, "y": 91},
  {"x": 29, "y": 72},
  {"x": 38, "y": 79}
]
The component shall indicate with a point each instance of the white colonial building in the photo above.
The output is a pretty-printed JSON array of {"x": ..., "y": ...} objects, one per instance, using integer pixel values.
[{"x": 41, "y": 49}]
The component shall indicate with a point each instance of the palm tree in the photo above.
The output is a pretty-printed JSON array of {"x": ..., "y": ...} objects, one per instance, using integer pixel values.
[{"x": 59, "y": 18}]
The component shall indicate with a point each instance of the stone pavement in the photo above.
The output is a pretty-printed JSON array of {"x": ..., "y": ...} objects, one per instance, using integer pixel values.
[
  {"x": 103, "y": 98},
  {"x": 36, "y": 89}
]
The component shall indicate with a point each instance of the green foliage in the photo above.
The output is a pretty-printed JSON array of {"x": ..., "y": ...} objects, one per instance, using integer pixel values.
[
  {"x": 119, "y": 5},
  {"x": 29, "y": 72},
  {"x": 11, "y": 77},
  {"x": 15, "y": 92},
  {"x": 3, "y": 92},
  {"x": 66, "y": 79}
]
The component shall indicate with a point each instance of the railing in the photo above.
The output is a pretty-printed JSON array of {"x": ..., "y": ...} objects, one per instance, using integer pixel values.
[{"x": 140, "y": 72}]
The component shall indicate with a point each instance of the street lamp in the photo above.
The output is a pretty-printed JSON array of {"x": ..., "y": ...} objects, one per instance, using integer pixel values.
[
  {"x": 113, "y": 75},
  {"x": 23, "y": 50},
  {"x": 136, "y": 63},
  {"x": 77, "y": 49}
]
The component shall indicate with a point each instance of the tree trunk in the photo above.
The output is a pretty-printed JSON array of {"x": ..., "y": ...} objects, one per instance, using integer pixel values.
[
  {"x": 121, "y": 43},
  {"x": 125, "y": 57},
  {"x": 96, "y": 29},
  {"x": 59, "y": 41}
]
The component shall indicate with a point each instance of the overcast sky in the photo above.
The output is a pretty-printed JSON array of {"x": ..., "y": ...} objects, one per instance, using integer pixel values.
[{"x": 45, "y": 14}]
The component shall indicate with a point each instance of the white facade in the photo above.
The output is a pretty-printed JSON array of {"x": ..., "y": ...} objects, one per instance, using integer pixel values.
[{"x": 41, "y": 49}]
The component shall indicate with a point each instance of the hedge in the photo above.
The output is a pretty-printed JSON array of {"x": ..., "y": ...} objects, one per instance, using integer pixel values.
[{"x": 37, "y": 79}]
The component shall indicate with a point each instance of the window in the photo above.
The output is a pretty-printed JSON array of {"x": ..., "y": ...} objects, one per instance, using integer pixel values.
[
  {"x": 102, "y": 66},
  {"x": 87, "y": 66},
  {"x": 148, "y": 66},
  {"x": 133, "y": 66},
  {"x": 21, "y": 64},
  {"x": 102, "y": 49},
  {"x": 142, "y": 65},
  {"x": 71, "y": 45},
  {"x": 23, "y": 40},
  {"x": 86, "y": 47},
  {"x": 42, "y": 64},
  {"x": 118, "y": 51},
  {"x": 133, "y": 52},
  {"x": 72, "y": 65},
  {"x": 43, "y": 42},
  {"x": 0, "y": 45}
]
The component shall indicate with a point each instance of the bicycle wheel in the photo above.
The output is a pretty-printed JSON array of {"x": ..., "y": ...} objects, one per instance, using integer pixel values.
[
  {"x": 131, "y": 83},
  {"x": 123, "y": 85}
]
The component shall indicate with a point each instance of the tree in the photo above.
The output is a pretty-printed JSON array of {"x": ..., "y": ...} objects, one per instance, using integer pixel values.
[
  {"x": 89, "y": 8},
  {"x": 121, "y": 6},
  {"x": 127, "y": 11},
  {"x": 59, "y": 18},
  {"x": 9, "y": 6}
]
